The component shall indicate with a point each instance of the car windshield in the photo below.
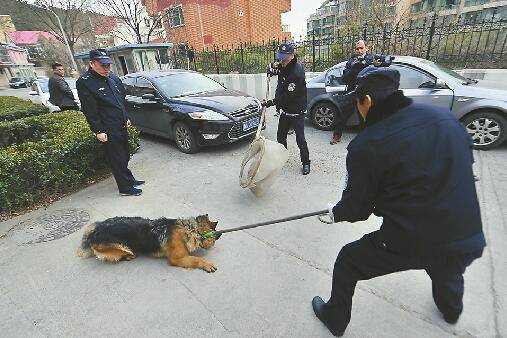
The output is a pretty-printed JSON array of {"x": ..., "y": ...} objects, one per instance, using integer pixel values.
[
  {"x": 44, "y": 83},
  {"x": 450, "y": 73},
  {"x": 182, "y": 84},
  {"x": 15, "y": 79}
]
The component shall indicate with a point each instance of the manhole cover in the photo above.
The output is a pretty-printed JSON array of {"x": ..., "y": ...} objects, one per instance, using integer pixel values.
[{"x": 49, "y": 227}]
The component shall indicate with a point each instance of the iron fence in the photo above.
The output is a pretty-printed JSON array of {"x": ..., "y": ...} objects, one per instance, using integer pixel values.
[{"x": 452, "y": 44}]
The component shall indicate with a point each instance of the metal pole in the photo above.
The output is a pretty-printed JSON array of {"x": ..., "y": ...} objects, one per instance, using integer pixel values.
[{"x": 65, "y": 39}]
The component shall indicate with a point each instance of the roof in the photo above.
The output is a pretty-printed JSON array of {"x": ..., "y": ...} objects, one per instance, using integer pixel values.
[
  {"x": 29, "y": 37},
  {"x": 120, "y": 48}
]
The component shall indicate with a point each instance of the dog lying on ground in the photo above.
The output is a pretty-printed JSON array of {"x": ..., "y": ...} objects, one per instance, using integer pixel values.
[{"x": 123, "y": 238}]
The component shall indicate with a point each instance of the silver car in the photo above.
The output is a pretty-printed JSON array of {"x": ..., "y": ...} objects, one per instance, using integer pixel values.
[{"x": 483, "y": 111}]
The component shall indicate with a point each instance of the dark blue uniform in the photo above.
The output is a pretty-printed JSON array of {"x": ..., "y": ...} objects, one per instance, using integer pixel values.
[
  {"x": 290, "y": 100},
  {"x": 102, "y": 102},
  {"x": 412, "y": 165}
]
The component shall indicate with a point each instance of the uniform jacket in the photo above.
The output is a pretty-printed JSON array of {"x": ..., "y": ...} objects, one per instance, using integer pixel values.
[
  {"x": 412, "y": 165},
  {"x": 102, "y": 101},
  {"x": 60, "y": 93},
  {"x": 290, "y": 93},
  {"x": 353, "y": 68}
]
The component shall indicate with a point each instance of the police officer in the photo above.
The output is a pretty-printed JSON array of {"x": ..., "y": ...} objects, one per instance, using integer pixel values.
[
  {"x": 290, "y": 99},
  {"x": 412, "y": 165},
  {"x": 360, "y": 60},
  {"x": 102, "y": 100}
]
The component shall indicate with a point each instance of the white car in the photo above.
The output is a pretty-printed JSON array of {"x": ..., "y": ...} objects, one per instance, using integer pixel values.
[{"x": 40, "y": 88}]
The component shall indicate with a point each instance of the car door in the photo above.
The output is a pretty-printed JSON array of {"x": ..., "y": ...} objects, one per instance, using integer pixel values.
[
  {"x": 420, "y": 86},
  {"x": 131, "y": 99},
  {"x": 334, "y": 84},
  {"x": 151, "y": 113}
]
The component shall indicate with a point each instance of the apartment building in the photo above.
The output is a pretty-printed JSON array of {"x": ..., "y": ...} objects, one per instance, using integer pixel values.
[
  {"x": 469, "y": 11},
  {"x": 205, "y": 23}
]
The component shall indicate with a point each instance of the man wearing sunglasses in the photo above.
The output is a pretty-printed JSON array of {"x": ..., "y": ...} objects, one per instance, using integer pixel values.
[{"x": 102, "y": 98}]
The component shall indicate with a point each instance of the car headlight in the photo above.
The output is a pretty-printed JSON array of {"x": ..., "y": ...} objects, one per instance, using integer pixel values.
[{"x": 209, "y": 115}]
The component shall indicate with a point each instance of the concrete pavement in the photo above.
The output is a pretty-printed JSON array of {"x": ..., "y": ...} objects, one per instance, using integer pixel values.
[{"x": 266, "y": 276}]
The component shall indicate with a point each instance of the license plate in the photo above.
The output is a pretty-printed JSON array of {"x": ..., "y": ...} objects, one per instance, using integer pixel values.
[{"x": 251, "y": 123}]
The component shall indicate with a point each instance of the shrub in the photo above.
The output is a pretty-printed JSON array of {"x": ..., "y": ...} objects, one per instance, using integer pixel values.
[
  {"x": 13, "y": 108},
  {"x": 60, "y": 155}
]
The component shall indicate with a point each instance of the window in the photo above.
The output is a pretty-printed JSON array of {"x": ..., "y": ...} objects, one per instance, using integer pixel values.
[
  {"x": 129, "y": 83},
  {"x": 334, "y": 77},
  {"x": 144, "y": 86},
  {"x": 175, "y": 16},
  {"x": 411, "y": 78}
]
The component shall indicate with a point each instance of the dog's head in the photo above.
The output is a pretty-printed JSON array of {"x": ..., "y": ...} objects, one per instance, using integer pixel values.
[{"x": 206, "y": 225}]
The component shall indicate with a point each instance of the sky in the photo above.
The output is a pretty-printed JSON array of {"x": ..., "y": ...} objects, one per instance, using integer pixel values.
[{"x": 296, "y": 18}]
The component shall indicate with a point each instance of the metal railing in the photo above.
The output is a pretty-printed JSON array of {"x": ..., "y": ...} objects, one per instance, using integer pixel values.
[{"x": 450, "y": 43}]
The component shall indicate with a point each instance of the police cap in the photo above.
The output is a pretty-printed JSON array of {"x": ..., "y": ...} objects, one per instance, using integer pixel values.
[
  {"x": 100, "y": 55},
  {"x": 378, "y": 81}
]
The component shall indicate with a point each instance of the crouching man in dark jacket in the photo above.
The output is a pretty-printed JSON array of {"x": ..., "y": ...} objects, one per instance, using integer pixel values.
[{"x": 412, "y": 165}]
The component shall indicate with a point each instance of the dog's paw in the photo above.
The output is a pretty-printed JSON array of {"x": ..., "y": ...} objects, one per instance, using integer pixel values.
[{"x": 208, "y": 267}]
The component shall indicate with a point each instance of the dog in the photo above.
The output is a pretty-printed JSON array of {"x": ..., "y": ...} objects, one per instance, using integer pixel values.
[{"x": 123, "y": 238}]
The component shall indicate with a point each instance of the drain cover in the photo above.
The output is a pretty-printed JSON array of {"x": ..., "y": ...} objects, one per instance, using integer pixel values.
[{"x": 49, "y": 227}]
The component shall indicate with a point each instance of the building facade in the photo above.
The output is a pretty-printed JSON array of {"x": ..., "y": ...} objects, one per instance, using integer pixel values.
[
  {"x": 468, "y": 11},
  {"x": 205, "y": 23},
  {"x": 14, "y": 63}
]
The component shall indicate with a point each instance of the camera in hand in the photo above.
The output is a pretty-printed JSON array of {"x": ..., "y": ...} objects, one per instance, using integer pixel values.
[{"x": 368, "y": 60}]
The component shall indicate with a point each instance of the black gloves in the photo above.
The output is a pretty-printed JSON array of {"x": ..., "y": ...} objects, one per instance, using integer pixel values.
[
  {"x": 273, "y": 69},
  {"x": 267, "y": 103}
]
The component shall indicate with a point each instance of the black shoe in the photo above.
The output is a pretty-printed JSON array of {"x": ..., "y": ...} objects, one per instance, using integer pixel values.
[
  {"x": 131, "y": 192},
  {"x": 451, "y": 319},
  {"x": 306, "y": 169},
  {"x": 318, "y": 308},
  {"x": 138, "y": 182}
]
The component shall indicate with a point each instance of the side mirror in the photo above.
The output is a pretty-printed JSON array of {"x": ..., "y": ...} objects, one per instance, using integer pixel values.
[
  {"x": 440, "y": 84},
  {"x": 33, "y": 92},
  {"x": 151, "y": 97}
]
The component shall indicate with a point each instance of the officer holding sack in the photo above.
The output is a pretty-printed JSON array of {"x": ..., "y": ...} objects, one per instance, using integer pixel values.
[{"x": 290, "y": 99}]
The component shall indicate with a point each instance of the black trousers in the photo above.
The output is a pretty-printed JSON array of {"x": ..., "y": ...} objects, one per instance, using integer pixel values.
[
  {"x": 118, "y": 153},
  {"x": 369, "y": 258},
  {"x": 298, "y": 124},
  {"x": 74, "y": 107},
  {"x": 347, "y": 107}
]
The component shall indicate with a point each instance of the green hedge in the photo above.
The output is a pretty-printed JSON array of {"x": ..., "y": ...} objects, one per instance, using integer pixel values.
[
  {"x": 60, "y": 155},
  {"x": 13, "y": 108}
]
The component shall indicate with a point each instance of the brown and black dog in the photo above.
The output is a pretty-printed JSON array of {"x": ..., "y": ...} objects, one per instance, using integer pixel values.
[{"x": 122, "y": 238}]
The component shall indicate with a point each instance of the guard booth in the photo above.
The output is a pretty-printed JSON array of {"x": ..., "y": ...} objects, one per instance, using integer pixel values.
[{"x": 133, "y": 58}]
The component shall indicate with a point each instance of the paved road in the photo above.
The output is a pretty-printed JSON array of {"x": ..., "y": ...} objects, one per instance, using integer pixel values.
[{"x": 267, "y": 276}]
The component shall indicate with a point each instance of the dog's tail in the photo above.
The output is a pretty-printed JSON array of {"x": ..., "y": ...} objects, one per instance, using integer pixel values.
[{"x": 85, "y": 250}]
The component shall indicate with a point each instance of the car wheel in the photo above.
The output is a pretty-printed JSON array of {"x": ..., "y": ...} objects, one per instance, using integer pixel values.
[
  {"x": 488, "y": 129},
  {"x": 184, "y": 138},
  {"x": 324, "y": 116}
]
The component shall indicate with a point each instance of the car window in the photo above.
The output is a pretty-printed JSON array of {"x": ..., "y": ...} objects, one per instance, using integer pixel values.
[
  {"x": 15, "y": 79},
  {"x": 334, "y": 77},
  {"x": 411, "y": 78},
  {"x": 180, "y": 84},
  {"x": 144, "y": 86},
  {"x": 129, "y": 83}
]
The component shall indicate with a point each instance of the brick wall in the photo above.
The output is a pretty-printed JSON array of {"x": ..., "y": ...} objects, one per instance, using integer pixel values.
[{"x": 225, "y": 22}]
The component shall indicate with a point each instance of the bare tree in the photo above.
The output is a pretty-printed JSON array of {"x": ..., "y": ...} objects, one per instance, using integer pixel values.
[
  {"x": 73, "y": 14},
  {"x": 133, "y": 14},
  {"x": 376, "y": 13}
]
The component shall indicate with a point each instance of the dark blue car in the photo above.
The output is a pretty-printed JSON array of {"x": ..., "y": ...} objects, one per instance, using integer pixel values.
[{"x": 189, "y": 108}]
